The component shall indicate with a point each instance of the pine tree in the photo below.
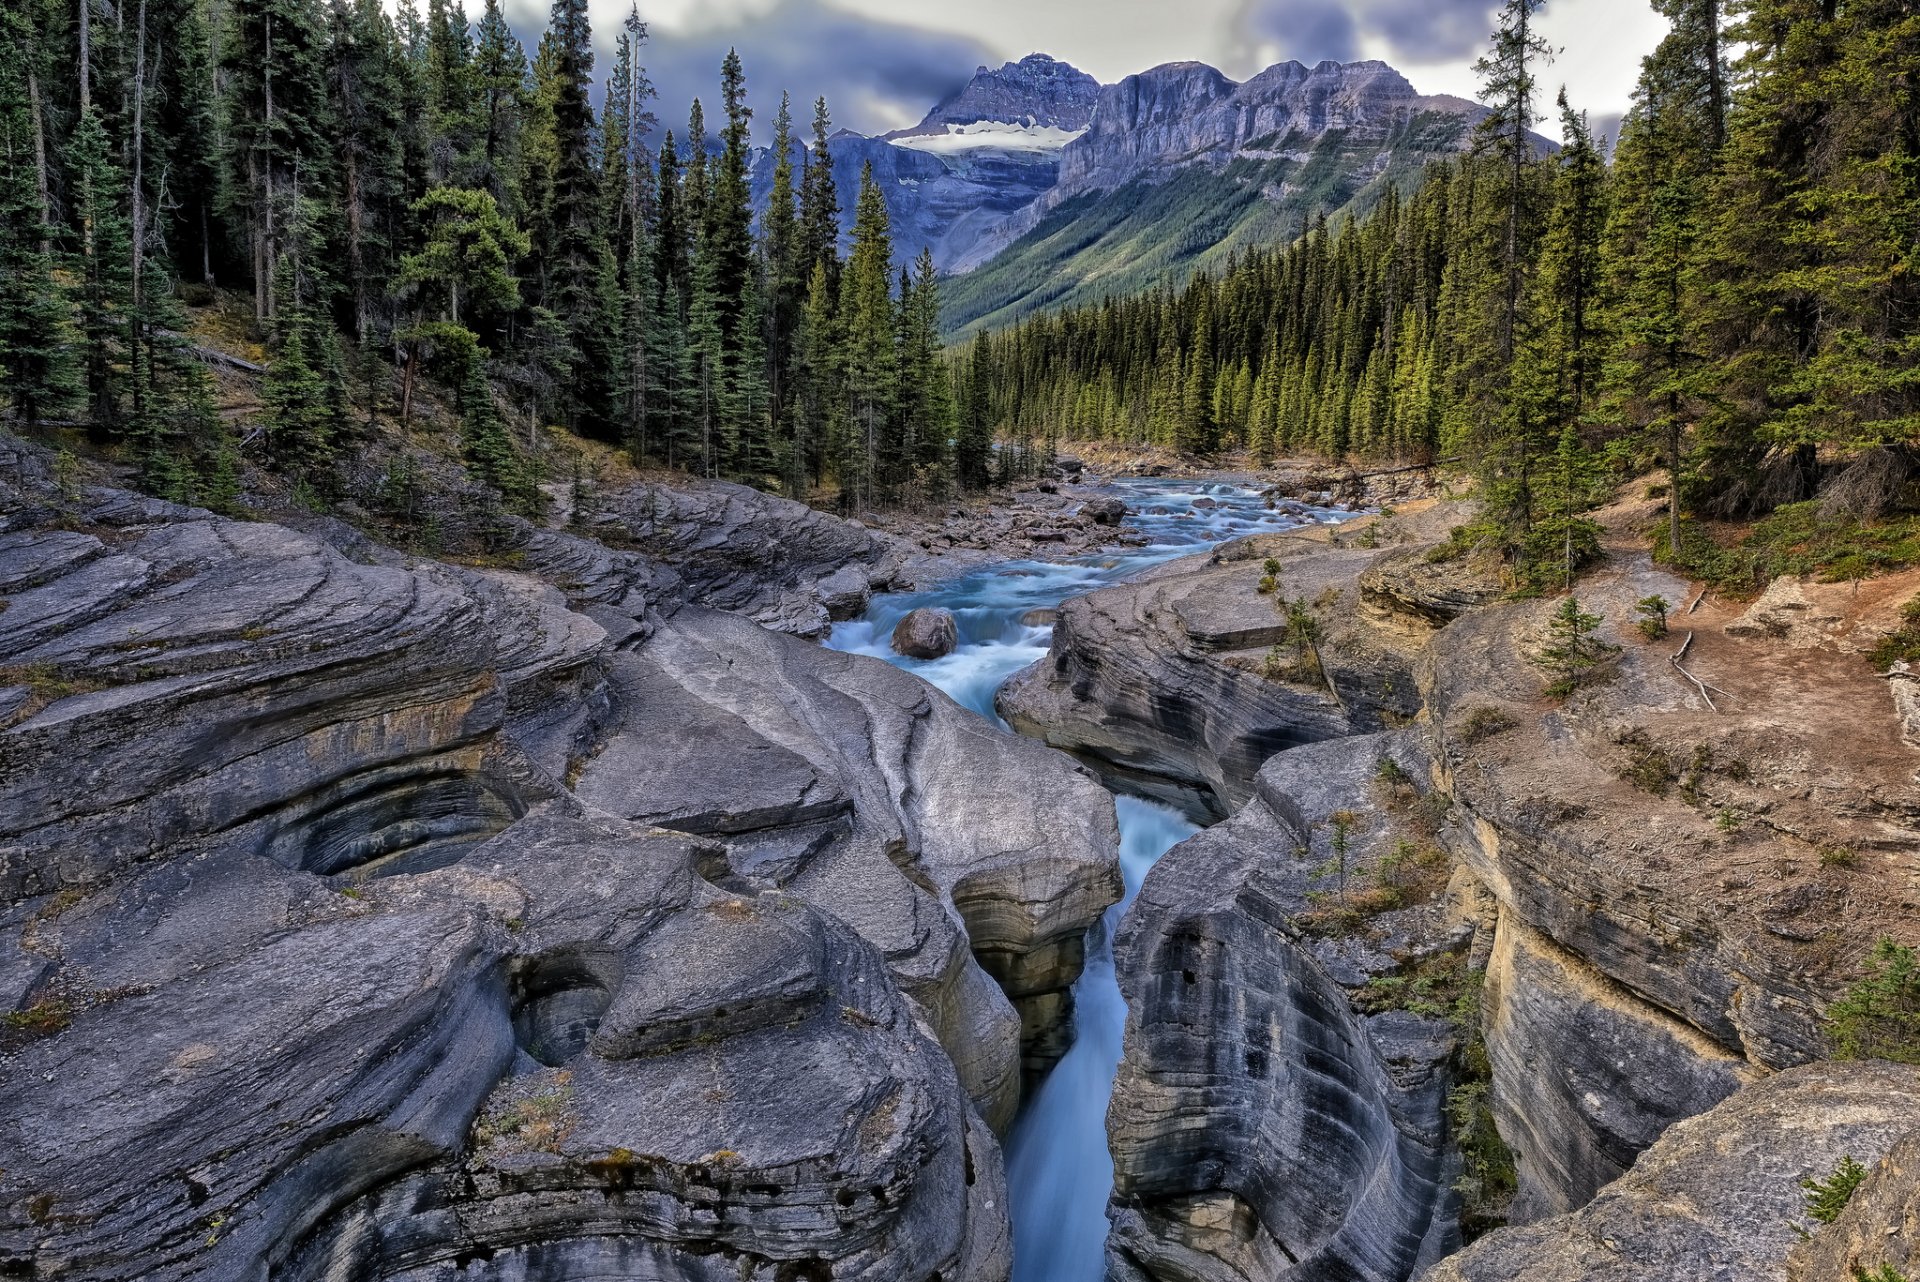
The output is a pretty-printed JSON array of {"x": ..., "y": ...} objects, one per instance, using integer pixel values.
[
  {"x": 499, "y": 83},
  {"x": 275, "y": 109},
  {"x": 783, "y": 270},
  {"x": 973, "y": 446},
  {"x": 453, "y": 108},
  {"x": 866, "y": 321},
  {"x": 38, "y": 375},
  {"x": 574, "y": 285},
  {"x": 465, "y": 265},
  {"x": 104, "y": 292},
  {"x": 627, "y": 167},
  {"x": 820, "y": 204},
  {"x": 367, "y": 75}
]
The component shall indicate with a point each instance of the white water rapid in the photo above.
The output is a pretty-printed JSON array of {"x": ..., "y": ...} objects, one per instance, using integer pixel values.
[{"x": 1059, "y": 1172}]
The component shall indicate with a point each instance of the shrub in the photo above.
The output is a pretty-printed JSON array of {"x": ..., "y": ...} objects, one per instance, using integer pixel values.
[
  {"x": 1653, "y": 617},
  {"x": 1838, "y": 857},
  {"x": 1648, "y": 767},
  {"x": 1827, "y": 1198},
  {"x": 1484, "y": 722},
  {"x": 1902, "y": 646},
  {"x": 1879, "y": 1018},
  {"x": 1796, "y": 539}
]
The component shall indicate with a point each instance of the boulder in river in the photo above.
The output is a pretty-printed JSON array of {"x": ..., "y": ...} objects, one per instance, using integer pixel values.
[
  {"x": 926, "y": 634},
  {"x": 1106, "y": 511}
]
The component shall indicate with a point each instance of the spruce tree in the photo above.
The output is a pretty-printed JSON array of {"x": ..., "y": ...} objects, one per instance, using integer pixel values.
[
  {"x": 103, "y": 271},
  {"x": 866, "y": 321},
  {"x": 573, "y": 289},
  {"x": 278, "y": 127},
  {"x": 38, "y": 375},
  {"x": 820, "y": 203},
  {"x": 499, "y": 85}
]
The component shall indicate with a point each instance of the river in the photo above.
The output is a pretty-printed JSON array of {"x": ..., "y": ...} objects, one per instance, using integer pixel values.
[{"x": 1059, "y": 1172}]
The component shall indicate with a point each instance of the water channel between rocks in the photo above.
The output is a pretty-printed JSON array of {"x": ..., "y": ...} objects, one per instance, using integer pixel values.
[{"x": 1059, "y": 1172}]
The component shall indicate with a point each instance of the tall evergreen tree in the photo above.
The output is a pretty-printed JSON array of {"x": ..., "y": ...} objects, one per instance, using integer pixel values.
[
  {"x": 275, "y": 109},
  {"x": 38, "y": 375},
  {"x": 866, "y": 322}
]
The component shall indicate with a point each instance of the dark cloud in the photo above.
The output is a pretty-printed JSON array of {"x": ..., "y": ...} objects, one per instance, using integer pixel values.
[
  {"x": 1415, "y": 31},
  {"x": 875, "y": 75}
]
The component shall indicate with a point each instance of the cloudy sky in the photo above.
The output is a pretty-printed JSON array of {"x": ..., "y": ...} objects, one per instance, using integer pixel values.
[{"x": 882, "y": 63}]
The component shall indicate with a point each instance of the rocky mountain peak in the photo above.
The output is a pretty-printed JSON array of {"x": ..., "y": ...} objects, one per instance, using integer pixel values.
[{"x": 1037, "y": 92}]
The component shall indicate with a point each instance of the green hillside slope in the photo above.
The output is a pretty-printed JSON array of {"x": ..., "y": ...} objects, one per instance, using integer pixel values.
[{"x": 1107, "y": 244}]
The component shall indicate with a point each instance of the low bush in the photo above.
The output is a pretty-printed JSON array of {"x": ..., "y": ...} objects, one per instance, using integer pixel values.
[{"x": 1879, "y": 1018}]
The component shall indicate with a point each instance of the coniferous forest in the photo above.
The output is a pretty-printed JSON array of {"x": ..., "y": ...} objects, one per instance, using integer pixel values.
[
  {"x": 415, "y": 202},
  {"x": 1736, "y": 294}
]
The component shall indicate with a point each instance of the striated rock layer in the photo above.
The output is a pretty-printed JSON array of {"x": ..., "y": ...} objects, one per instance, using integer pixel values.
[
  {"x": 1262, "y": 1127},
  {"x": 1664, "y": 886},
  {"x": 1162, "y": 685},
  {"x": 1719, "y": 1196},
  {"x": 372, "y": 918}
]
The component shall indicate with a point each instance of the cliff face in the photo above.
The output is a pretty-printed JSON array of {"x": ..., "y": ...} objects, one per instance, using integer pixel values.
[
  {"x": 1182, "y": 146},
  {"x": 1163, "y": 684},
  {"x": 1186, "y": 113},
  {"x": 1720, "y": 1195},
  {"x": 1262, "y": 1127},
  {"x": 1667, "y": 888},
  {"x": 363, "y": 916}
]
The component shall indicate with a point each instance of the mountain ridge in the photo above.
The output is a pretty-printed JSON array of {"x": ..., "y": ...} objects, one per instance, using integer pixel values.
[{"x": 1034, "y": 184}]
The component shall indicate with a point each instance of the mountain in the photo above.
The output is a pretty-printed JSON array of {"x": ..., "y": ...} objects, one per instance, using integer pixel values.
[
  {"x": 978, "y": 158},
  {"x": 1034, "y": 106},
  {"x": 1035, "y": 185},
  {"x": 1181, "y": 166}
]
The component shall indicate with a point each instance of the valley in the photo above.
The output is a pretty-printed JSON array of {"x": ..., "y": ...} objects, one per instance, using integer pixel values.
[{"x": 1225, "y": 672}]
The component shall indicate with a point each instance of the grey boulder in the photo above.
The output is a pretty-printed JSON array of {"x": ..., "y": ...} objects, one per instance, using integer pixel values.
[{"x": 926, "y": 634}]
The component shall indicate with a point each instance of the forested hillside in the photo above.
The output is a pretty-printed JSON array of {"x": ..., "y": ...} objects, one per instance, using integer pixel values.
[
  {"x": 414, "y": 203},
  {"x": 1734, "y": 295}
]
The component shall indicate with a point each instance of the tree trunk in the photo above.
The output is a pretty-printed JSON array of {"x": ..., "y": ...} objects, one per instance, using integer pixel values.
[
  {"x": 86, "y": 54},
  {"x": 40, "y": 188},
  {"x": 1673, "y": 483},
  {"x": 356, "y": 252}
]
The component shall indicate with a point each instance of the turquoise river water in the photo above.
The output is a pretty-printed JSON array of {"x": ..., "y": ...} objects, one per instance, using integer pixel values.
[{"x": 1059, "y": 1172}]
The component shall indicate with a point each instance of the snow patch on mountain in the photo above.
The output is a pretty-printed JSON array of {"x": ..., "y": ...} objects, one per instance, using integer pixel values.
[{"x": 998, "y": 135}]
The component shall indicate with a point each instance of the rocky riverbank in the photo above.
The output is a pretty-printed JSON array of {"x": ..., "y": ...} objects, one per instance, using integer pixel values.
[
  {"x": 570, "y": 913},
  {"x": 1463, "y": 939},
  {"x": 369, "y": 916}
]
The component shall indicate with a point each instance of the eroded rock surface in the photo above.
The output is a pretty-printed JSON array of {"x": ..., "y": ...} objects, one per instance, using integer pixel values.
[
  {"x": 1263, "y": 1128},
  {"x": 1181, "y": 683},
  {"x": 1880, "y": 1228},
  {"x": 379, "y": 919},
  {"x": 1717, "y": 1198},
  {"x": 1662, "y": 882},
  {"x": 780, "y": 563}
]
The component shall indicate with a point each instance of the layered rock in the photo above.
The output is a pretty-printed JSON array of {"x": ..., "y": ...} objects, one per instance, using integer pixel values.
[
  {"x": 1719, "y": 1196},
  {"x": 780, "y": 563},
  {"x": 344, "y": 934},
  {"x": 1668, "y": 875},
  {"x": 1682, "y": 887},
  {"x": 1262, "y": 1127},
  {"x": 1182, "y": 682},
  {"x": 1878, "y": 1231},
  {"x": 842, "y": 781}
]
